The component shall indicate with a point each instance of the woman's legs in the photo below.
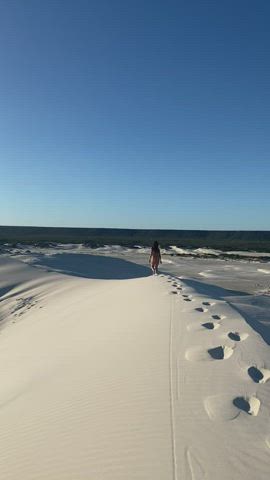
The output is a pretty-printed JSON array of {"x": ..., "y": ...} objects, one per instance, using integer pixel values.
[{"x": 154, "y": 267}]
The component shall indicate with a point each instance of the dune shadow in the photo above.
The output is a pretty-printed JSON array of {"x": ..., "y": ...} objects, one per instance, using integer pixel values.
[
  {"x": 5, "y": 290},
  {"x": 217, "y": 293},
  {"x": 254, "y": 309},
  {"x": 92, "y": 266}
]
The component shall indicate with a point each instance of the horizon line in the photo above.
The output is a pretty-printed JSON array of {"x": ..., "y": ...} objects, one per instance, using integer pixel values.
[{"x": 146, "y": 229}]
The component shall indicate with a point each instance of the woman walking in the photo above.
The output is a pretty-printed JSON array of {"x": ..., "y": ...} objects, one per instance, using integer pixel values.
[{"x": 155, "y": 258}]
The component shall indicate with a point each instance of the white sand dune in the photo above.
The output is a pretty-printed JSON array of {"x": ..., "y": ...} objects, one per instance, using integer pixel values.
[
  {"x": 263, "y": 270},
  {"x": 108, "y": 373}
]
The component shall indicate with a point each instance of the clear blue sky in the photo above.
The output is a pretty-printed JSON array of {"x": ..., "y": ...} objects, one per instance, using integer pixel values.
[{"x": 139, "y": 114}]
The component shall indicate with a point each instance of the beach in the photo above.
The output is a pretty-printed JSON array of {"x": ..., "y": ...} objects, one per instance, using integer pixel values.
[{"x": 109, "y": 372}]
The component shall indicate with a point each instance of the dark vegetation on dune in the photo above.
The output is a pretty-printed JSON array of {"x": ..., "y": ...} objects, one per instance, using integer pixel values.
[{"x": 94, "y": 237}]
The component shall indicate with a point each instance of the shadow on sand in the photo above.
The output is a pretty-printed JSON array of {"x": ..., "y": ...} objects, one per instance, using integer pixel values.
[
  {"x": 255, "y": 309},
  {"x": 256, "y": 312},
  {"x": 92, "y": 266},
  {"x": 217, "y": 293}
]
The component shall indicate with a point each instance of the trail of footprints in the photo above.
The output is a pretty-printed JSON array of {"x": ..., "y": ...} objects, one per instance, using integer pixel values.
[
  {"x": 249, "y": 405},
  {"x": 222, "y": 352}
]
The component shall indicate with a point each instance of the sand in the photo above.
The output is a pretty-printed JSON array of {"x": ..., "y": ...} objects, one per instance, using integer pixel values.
[{"x": 108, "y": 372}]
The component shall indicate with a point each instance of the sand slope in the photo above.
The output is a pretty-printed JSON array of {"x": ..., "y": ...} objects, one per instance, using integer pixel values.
[{"x": 138, "y": 378}]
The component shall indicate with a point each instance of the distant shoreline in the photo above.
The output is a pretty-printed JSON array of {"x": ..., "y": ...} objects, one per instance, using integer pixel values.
[{"x": 256, "y": 241}]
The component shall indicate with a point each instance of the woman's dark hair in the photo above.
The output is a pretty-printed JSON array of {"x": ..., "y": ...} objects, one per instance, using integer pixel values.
[{"x": 155, "y": 247}]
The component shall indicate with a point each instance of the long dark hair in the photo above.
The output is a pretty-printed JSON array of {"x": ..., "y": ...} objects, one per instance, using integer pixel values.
[{"x": 155, "y": 247}]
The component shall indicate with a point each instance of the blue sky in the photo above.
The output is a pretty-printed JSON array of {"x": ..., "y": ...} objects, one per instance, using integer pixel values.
[{"x": 146, "y": 114}]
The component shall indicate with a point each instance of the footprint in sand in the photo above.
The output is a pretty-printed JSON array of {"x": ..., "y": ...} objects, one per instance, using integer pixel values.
[
  {"x": 197, "y": 354},
  {"x": 220, "y": 353},
  {"x": 208, "y": 304},
  {"x": 174, "y": 292},
  {"x": 201, "y": 309},
  {"x": 211, "y": 325},
  {"x": 249, "y": 405},
  {"x": 222, "y": 407},
  {"x": 218, "y": 317},
  {"x": 188, "y": 299},
  {"x": 237, "y": 337},
  {"x": 261, "y": 375}
]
